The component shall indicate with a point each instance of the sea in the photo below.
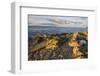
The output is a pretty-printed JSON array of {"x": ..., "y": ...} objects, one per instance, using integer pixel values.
[{"x": 33, "y": 30}]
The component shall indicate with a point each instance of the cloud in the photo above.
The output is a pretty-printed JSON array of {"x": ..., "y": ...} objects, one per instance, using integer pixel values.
[{"x": 58, "y": 21}]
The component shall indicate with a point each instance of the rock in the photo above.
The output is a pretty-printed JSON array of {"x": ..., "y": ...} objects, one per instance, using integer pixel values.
[
  {"x": 56, "y": 46},
  {"x": 83, "y": 42}
]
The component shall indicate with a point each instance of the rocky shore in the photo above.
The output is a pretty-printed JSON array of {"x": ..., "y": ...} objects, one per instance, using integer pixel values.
[{"x": 58, "y": 46}]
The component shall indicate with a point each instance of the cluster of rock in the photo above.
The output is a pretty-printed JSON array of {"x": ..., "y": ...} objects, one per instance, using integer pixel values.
[{"x": 58, "y": 46}]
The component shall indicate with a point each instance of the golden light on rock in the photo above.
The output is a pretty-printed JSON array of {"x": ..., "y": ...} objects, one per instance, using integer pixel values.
[
  {"x": 76, "y": 52},
  {"x": 52, "y": 43},
  {"x": 59, "y": 46},
  {"x": 74, "y": 44}
]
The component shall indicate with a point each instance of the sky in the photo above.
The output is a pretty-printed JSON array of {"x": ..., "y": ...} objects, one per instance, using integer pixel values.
[{"x": 58, "y": 21}]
